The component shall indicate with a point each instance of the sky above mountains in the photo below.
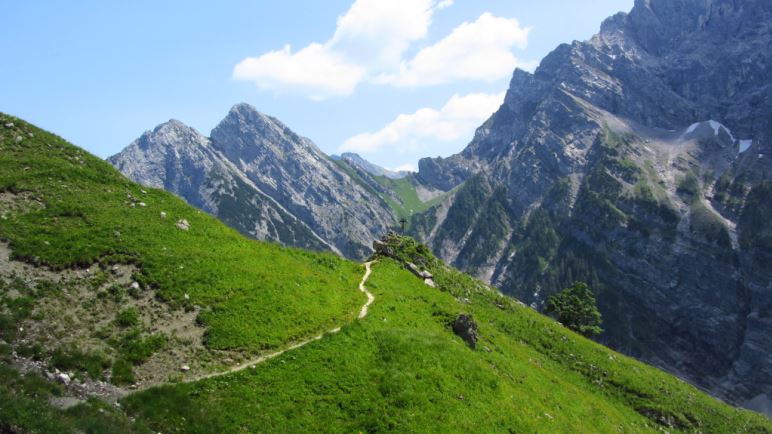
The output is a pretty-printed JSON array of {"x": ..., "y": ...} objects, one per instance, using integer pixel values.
[{"x": 391, "y": 80}]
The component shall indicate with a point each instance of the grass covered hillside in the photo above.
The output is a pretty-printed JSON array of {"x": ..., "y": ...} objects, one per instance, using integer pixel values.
[
  {"x": 406, "y": 202},
  {"x": 96, "y": 285},
  {"x": 403, "y": 369},
  {"x": 112, "y": 282},
  {"x": 401, "y": 195}
]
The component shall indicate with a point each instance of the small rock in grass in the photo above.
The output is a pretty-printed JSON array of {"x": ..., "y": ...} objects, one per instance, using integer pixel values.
[
  {"x": 142, "y": 204},
  {"x": 143, "y": 191},
  {"x": 19, "y": 139},
  {"x": 63, "y": 378},
  {"x": 184, "y": 368},
  {"x": 134, "y": 285},
  {"x": 9, "y": 125},
  {"x": 163, "y": 215},
  {"x": 183, "y": 224},
  {"x": 187, "y": 297}
]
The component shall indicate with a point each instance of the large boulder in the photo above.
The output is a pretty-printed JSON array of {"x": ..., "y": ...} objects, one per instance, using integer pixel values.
[{"x": 465, "y": 327}]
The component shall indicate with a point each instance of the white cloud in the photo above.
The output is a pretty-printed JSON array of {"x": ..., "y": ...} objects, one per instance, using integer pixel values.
[
  {"x": 458, "y": 117},
  {"x": 371, "y": 36},
  {"x": 370, "y": 42},
  {"x": 315, "y": 71},
  {"x": 481, "y": 50},
  {"x": 377, "y": 32}
]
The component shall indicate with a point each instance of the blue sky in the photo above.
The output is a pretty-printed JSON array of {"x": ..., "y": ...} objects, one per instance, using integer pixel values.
[{"x": 394, "y": 80}]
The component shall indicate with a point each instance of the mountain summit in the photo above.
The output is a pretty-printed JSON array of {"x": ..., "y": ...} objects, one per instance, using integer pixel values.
[{"x": 260, "y": 177}]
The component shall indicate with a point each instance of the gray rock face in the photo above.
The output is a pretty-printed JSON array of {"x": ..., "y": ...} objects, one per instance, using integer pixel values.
[
  {"x": 604, "y": 166},
  {"x": 259, "y": 177},
  {"x": 293, "y": 171}
]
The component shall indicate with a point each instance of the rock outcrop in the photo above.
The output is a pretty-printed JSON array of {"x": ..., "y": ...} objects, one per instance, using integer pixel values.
[{"x": 465, "y": 327}]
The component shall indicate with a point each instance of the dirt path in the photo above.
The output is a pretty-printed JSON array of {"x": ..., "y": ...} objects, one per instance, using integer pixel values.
[
  {"x": 370, "y": 297},
  {"x": 271, "y": 355}
]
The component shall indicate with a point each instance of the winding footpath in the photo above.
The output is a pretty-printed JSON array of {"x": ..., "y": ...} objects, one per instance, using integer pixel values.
[{"x": 271, "y": 355}]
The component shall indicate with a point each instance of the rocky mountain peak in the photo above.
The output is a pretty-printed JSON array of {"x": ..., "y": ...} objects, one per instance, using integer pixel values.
[
  {"x": 662, "y": 26},
  {"x": 262, "y": 178},
  {"x": 245, "y": 134},
  {"x": 172, "y": 133},
  {"x": 243, "y": 112},
  {"x": 171, "y": 124}
]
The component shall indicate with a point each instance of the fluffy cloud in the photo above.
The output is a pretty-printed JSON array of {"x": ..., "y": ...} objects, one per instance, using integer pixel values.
[
  {"x": 315, "y": 71},
  {"x": 371, "y": 36},
  {"x": 458, "y": 117},
  {"x": 481, "y": 50},
  {"x": 370, "y": 42},
  {"x": 376, "y": 33}
]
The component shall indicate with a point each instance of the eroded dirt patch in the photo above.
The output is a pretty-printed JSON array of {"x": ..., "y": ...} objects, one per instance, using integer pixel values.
[
  {"x": 99, "y": 314},
  {"x": 12, "y": 203}
]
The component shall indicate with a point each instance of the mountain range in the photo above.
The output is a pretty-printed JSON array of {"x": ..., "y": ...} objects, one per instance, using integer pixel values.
[
  {"x": 638, "y": 161},
  {"x": 125, "y": 309},
  {"x": 261, "y": 178}
]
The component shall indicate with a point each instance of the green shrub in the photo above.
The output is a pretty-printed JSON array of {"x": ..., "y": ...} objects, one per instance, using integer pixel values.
[
  {"x": 137, "y": 349},
  {"x": 117, "y": 292},
  {"x": 122, "y": 372},
  {"x": 33, "y": 351},
  {"x": 128, "y": 317},
  {"x": 688, "y": 186},
  {"x": 575, "y": 307},
  {"x": 91, "y": 363}
]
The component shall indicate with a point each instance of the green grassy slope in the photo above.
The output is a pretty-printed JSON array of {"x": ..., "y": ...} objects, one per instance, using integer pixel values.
[
  {"x": 63, "y": 209},
  {"x": 399, "y": 194},
  {"x": 408, "y": 203},
  {"x": 255, "y": 295},
  {"x": 399, "y": 369},
  {"x": 402, "y": 369}
]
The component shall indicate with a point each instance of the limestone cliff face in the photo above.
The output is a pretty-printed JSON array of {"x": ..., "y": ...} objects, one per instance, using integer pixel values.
[
  {"x": 636, "y": 161},
  {"x": 258, "y": 176}
]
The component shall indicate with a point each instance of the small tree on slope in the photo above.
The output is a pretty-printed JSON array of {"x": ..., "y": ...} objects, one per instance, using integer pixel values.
[{"x": 575, "y": 308}]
